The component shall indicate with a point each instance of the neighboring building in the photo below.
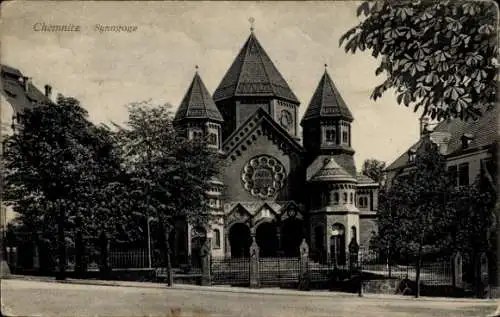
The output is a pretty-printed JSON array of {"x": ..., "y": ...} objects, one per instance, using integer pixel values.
[
  {"x": 274, "y": 187},
  {"x": 17, "y": 94},
  {"x": 469, "y": 148}
]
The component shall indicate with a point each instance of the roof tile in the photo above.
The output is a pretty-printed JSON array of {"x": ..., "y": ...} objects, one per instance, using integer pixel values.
[
  {"x": 197, "y": 103},
  {"x": 327, "y": 101},
  {"x": 253, "y": 74}
]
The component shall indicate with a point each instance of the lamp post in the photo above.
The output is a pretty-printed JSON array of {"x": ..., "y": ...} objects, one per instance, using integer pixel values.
[
  {"x": 149, "y": 219},
  {"x": 148, "y": 225}
]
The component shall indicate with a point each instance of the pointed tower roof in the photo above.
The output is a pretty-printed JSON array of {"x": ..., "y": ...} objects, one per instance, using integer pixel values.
[
  {"x": 253, "y": 74},
  {"x": 327, "y": 101},
  {"x": 197, "y": 103},
  {"x": 332, "y": 171}
]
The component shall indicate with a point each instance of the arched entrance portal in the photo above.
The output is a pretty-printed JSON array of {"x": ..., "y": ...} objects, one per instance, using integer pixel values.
[
  {"x": 337, "y": 244},
  {"x": 198, "y": 239},
  {"x": 292, "y": 235},
  {"x": 240, "y": 240},
  {"x": 266, "y": 238}
]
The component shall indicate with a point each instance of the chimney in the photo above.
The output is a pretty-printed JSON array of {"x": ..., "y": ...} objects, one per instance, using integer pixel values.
[
  {"x": 48, "y": 91},
  {"x": 441, "y": 139},
  {"x": 424, "y": 124},
  {"x": 27, "y": 83}
]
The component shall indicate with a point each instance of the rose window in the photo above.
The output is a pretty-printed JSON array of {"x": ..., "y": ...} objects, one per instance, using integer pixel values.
[{"x": 263, "y": 176}]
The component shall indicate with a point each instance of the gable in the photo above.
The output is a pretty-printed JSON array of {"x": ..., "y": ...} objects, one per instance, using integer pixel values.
[
  {"x": 259, "y": 124},
  {"x": 262, "y": 162}
]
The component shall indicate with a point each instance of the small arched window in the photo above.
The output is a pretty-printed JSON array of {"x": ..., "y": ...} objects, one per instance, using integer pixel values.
[
  {"x": 336, "y": 198},
  {"x": 330, "y": 135},
  {"x": 216, "y": 239},
  {"x": 345, "y": 198},
  {"x": 212, "y": 139},
  {"x": 352, "y": 198}
]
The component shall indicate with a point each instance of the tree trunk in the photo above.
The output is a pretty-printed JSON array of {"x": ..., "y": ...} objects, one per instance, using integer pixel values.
[
  {"x": 61, "y": 240},
  {"x": 170, "y": 276}
]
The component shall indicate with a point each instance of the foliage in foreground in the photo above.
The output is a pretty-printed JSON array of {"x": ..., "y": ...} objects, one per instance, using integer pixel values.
[{"x": 439, "y": 55}]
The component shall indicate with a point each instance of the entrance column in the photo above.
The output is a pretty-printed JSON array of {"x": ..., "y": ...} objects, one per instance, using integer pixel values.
[{"x": 227, "y": 244}]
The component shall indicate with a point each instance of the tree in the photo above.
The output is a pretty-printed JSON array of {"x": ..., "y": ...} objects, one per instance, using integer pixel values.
[
  {"x": 169, "y": 173},
  {"x": 56, "y": 164},
  {"x": 374, "y": 169},
  {"x": 104, "y": 202},
  {"x": 416, "y": 210},
  {"x": 439, "y": 55}
]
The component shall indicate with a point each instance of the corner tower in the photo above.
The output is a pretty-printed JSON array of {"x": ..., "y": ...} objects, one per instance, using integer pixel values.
[
  {"x": 327, "y": 125},
  {"x": 331, "y": 173},
  {"x": 198, "y": 116},
  {"x": 253, "y": 82}
]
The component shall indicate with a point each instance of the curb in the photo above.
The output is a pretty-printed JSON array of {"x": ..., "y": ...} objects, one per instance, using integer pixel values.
[{"x": 240, "y": 290}]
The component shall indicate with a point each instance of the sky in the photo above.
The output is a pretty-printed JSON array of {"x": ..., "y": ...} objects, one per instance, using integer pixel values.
[{"x": 108, "y": 70}]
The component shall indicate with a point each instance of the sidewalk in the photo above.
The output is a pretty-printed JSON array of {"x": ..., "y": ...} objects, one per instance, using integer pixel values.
[{"x": 240, "y": 290}]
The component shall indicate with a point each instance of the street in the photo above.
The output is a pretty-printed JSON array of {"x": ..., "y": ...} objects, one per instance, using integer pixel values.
[{"x": 34, "y": 298}]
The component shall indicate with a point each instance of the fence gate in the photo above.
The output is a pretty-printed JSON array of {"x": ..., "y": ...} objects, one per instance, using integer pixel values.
[
  {"x": 279, "y": 272},
  {"x": 230, "y": 271}
]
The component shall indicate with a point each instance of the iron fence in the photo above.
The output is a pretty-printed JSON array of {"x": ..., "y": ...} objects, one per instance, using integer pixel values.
[
  {"x": 230, "y": 271},
  {"x": 129, "y": 259},
  {"x": 279, "y": 271},
  {"x": 431, "y": 273}
]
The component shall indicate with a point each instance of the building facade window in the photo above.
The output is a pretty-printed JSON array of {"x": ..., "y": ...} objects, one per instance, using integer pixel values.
[
  {"x": 463, "y": 174},
  {"x": 216, "y": 239},
  {"x": 336, "y": 198},
  {"x": 453, "y": 175},
  {"x": 214, "y": 203},
  {"x": 345, "y": 201},
  {"x": 363, "y": 202},
  {"x": 196, "y": 134},
  {"x": 412, "y": 155},
  {"x": 345, "y": 137},
  {"x": 330, "y": 135},
  {"x": 212, "y": 139}
]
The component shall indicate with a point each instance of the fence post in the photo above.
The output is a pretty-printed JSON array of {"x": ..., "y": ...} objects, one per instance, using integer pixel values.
[
  {"x": 360, "y": 273},
  {"x": 36, "y": 258},
  {"x": 206, "y": 278},
  {"x": 254, "y": 265},
  {"x": 482, "y": 272},
  {"x": 304, "y": 266},
  {"x": 457, "y": 267},
  {"x": 353, "y": 255}
]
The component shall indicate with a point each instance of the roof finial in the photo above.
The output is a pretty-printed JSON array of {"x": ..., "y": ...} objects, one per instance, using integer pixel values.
[
  {"x": 196, "y": 68},
  {"x": 326, "y": 66},
  {"x": 251, "y": 20}
]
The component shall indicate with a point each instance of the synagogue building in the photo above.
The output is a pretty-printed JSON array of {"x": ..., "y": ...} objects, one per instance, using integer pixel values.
[{"x": 278, "y": 186}]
